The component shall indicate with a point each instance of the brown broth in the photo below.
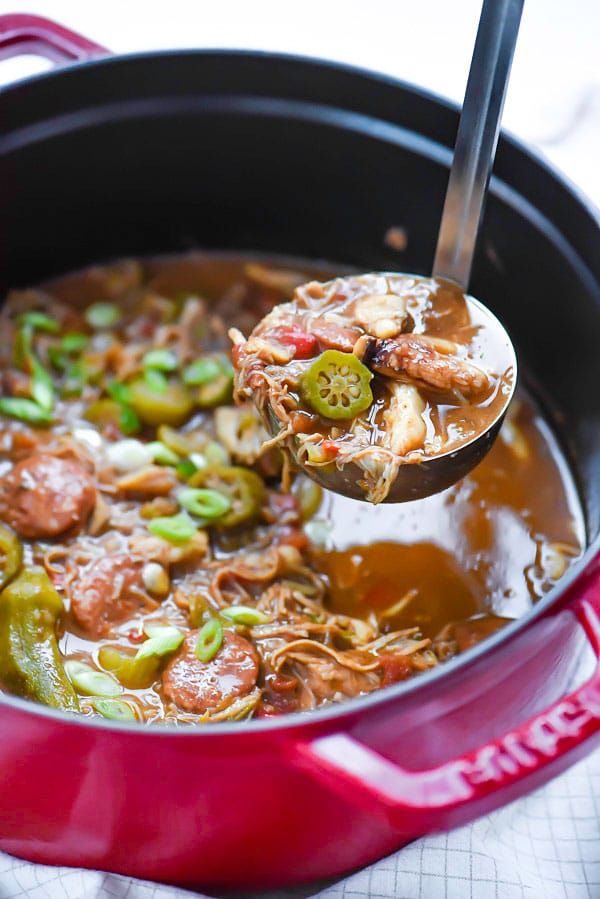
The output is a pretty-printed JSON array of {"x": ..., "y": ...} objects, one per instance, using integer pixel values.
[
  {"x": 484, "y": 546},
  {"x": 491, "y": 544}
]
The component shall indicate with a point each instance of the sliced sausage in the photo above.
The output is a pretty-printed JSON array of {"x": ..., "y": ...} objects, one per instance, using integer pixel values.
[
  {"x": 44, "y": 496},
  {"x": 110, "y": 591},
  {"x": 333, "y": 335},
  {"x": 199, "y": 687}
]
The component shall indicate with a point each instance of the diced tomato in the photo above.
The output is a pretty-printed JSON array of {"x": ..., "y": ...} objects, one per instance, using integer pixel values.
[
  {"x": 291, "y": 536},
  {"x": 135, "y": 635},
  {"x": 394, "y": 668},
  {"x": 283, "y": 684},
  {"x": 330, "y": 447},
  {"x": 279, "y": 697},
  {"x": 291, "y": 335},
  {"x": 283, "y": 502}
]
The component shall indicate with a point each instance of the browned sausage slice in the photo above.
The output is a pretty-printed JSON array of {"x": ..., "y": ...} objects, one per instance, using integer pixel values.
[
  {"x": 199, "y": 687},
  {"x": 44, "y": 496},
  {"x": 334, "y": 336},
  {"x": 110, "y": 591}
]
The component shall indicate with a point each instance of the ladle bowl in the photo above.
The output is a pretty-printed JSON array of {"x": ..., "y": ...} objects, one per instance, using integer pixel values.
[{"x": 432, "y": 474}]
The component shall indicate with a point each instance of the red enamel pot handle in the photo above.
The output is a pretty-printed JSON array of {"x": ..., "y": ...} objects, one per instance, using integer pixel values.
[
  {"x": 24, "y": 34},
  {"x": 476, "y": 783}
]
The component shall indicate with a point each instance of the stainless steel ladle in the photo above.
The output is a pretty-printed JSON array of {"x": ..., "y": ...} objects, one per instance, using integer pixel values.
[{"x": 465, "y": 199}]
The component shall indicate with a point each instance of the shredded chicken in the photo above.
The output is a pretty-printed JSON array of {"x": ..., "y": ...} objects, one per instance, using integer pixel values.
[
  {"x": 405, "y": 428},
  {"x": 410, "y": 356},
  {"x": 382, "y": 316}
]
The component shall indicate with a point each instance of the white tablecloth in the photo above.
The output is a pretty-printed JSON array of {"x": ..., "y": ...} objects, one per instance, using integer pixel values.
[{"x": 547, "y": 845}]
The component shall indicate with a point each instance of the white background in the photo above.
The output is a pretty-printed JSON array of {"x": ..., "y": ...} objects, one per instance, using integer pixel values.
[{"x": 554, "y": 96}]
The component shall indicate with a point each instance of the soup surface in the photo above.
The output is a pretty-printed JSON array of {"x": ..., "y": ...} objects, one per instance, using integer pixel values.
[{"x": 158, "y": 564}]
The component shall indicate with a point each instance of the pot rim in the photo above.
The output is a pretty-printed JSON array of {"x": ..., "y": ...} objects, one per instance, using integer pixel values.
[
  {"x": 337, "y": 713},
  {"x": 506, "y": 135}
]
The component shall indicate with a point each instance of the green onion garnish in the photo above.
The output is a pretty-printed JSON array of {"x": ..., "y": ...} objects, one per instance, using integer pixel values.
[
  {"x": 115, "y": 709},
  {"x": 42, "y": 386},
  {"x": 74, "y": 342},
  {"x": 201, "y": 372},
  {"x": 244, "y": 615},
  {"x": 203, "y": 502},
  {"x": 174, "y": 528},
  {"x": 74, "y": 380},
  {"x": 186, "y": 469},
  {"x": 24, "y": 410},
  {"x": 102, "y": 315},
  {"x": 90, "y": 682},
  {"x": 162, "y": 641},
  {"x": 162, "y": 360},
  {"x": 162, "y": 454},
  {"x": 210, "y": 640},
  {"x": 155, "y": 380},
  {"x": 119, "y": 392},
  {"x": 39, "y": 321},
  {"x": 129, "y": 422},
  {"x": 22, "y": 346},
  {"x": 58, "y": 358}
]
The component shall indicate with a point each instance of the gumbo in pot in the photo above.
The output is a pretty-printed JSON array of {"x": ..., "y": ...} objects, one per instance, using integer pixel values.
[{"x": 161, "y": 562}]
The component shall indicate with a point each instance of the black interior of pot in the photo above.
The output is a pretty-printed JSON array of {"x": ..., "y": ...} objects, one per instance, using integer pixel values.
[{"x": 151, "y": 154}]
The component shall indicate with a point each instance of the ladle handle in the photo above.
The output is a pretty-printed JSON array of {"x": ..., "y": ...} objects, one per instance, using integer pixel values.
[{"x": 476, "y": 139}]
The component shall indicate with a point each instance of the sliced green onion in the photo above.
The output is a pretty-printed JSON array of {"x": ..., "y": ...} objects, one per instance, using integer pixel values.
[
  {"x": 115, "y": 709},
  {"x": 24, "y": 410},
  {"x": 203, "y": 502},
  {"x": 244, "y": 615},
  {"x": 39, "y": 321},
  {"x": 186, "y": 469},
  {"x": 42, "y": 386},
  {"x": 102, "y": 315},
  {"x": 74, "y": 379},
  {"x": 201, "y": 372},
  {"x": 119, "y": 392},
  {"x": 74, "y": 342},
  {"x": 70, "y": 345},
  {"x": 210, "y": 640},
  {"x": 22, "y": 347},
  {"x": 129, "y": 422},
  {"x": 163, "y": 360},
  {"x": 162, "y": 641},
  {"x": 155, "y": 380},
  {"x": 162, "y": 454},
  {"x": 174, "y": 528},
  {"x": 58, "y": 358},
  {"x": 90, "y": 682}
]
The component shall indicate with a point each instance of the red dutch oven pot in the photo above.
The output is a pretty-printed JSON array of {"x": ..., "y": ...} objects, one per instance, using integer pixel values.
[{"x": 161, "y": 151}]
